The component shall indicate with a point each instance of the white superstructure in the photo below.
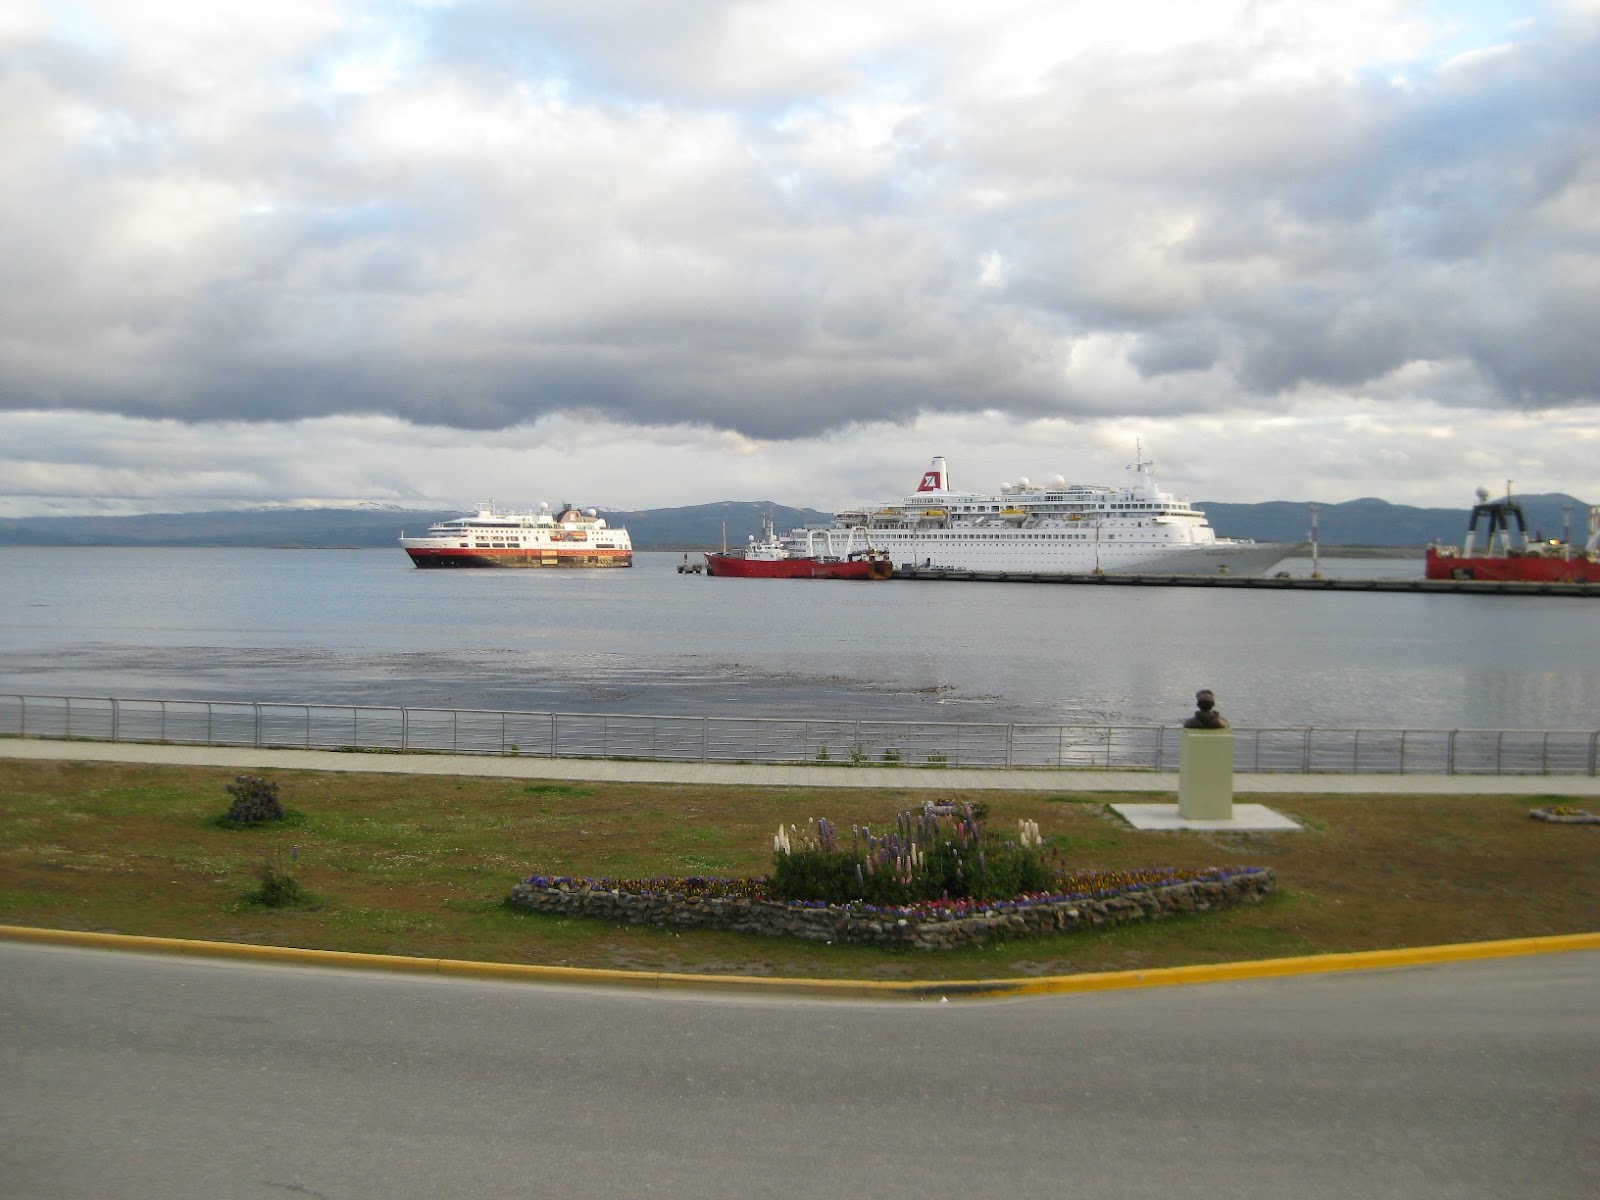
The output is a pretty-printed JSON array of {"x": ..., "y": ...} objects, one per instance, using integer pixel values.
[{"x": 1058, "y": 528}]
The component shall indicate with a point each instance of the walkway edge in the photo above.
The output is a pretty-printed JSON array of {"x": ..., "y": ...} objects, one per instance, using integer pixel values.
[{"x": 968, "y": 989}]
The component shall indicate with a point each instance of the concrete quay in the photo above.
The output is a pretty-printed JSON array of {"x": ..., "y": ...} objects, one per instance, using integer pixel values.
[
  {"x": 1299, "y": 583},
  {"x": 1026, "y": 779}
]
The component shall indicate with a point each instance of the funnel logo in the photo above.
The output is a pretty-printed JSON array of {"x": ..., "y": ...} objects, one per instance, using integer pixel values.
[{"x": 930, "y": 482}]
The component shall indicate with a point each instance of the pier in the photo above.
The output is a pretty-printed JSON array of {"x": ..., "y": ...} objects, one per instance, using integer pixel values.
[{"x": 1262, "y": 582}]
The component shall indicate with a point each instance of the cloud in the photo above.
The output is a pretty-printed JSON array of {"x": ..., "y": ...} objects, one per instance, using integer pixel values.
[
  {"x": 782, "y": 222},
  {"x": 1397, "y": 444}
]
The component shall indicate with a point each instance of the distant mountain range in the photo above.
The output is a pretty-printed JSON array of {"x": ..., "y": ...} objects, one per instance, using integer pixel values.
[
  {"x": 1371, "y": 522},
  {"x": 1366, "y": 522}
]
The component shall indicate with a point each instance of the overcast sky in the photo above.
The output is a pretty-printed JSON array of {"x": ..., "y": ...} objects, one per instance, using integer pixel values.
[{"x": 641, "y": 255}]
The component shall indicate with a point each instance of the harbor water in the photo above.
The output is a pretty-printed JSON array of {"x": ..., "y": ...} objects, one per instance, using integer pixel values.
[{"x": 365, "y": 627}]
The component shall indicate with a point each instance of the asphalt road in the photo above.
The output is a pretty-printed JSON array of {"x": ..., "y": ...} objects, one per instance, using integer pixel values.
[{"x": 124, "y": 1075}]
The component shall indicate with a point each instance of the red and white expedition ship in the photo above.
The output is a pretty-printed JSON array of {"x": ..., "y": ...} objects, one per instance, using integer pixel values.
[
  {"x": 1514, "y": 557},
  {"x": 489, "y": 538}
]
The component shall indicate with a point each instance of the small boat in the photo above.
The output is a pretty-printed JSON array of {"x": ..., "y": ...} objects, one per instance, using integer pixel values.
[
  {"x": 772, "y": 557},
  {"x": 1512, "y": 556}
]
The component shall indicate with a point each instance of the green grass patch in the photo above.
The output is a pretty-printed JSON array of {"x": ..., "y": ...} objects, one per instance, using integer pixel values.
[
  {"x": 421, "y": 865},
  {"x": 292, "y": 818}
]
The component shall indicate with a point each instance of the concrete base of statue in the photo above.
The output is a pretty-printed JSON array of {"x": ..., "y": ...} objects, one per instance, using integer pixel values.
[{"x": 1205, "y": 775}]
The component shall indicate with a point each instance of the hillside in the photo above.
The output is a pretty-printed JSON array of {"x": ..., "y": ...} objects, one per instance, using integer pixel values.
[
  {"x": 1373, "y": 522},
  {"x": 1365, "y": 522},
  {"x": 696, "y": 527}
]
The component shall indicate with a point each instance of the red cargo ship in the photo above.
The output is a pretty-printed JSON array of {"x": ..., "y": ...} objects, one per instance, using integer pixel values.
[
  {"x": 1514, "y": 557},
  {"x": 774, "y": 558}
]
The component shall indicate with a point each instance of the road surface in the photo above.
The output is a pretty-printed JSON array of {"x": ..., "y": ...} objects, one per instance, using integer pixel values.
[{"x": 129, "y": 1075}]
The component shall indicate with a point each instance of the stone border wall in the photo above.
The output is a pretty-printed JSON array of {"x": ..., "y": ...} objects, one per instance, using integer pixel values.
[{"x": 935, "y": 929}]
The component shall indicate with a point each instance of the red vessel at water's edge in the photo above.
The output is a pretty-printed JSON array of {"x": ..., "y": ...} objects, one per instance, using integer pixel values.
[
  {"x": 1511, "y": 556},
  {"x": 772, "y": 558},
  {"x": 737, "y": 566}
]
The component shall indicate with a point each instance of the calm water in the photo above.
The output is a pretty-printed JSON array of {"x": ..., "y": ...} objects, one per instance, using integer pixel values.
[{"x": 363, "y": 626}]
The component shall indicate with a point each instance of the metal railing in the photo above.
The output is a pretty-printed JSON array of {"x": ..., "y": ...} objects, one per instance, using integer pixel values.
[{"x": 788, "y": 739}]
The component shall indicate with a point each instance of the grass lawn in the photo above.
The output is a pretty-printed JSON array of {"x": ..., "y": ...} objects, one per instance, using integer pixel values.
[{"x": 420, "y": 865}]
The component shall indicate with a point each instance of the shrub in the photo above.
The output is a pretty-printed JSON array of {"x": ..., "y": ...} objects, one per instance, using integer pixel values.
[
  {"x": 941, "y": 852},
  {"x": 254, "y": 800},
  {"x": 279, "y": 888}
]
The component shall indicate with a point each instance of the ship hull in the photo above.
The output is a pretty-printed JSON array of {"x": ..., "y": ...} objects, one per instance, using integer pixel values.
[
  {"x": 1515, "y": 569},
  {"x": 1031, "y": 553},
  {"x": 734, "y": 567},
  {"x": 457, "y": 558}
]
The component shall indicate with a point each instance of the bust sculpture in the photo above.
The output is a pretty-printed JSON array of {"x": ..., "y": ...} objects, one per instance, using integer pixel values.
[{"x": 1206, "y": 715}]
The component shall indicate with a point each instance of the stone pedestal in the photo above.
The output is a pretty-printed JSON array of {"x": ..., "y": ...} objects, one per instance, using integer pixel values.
[{"x": 1205, "y": 775}]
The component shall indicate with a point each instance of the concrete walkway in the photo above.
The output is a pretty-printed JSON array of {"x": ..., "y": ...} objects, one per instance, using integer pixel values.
[{"x": 927, "y": 778}]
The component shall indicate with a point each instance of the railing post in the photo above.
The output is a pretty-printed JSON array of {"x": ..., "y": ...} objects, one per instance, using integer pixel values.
[
  {"x": 115, "y": 719},
  {"x": 455, "y": 729},
  {"x": 705, "y": 739},
  {"x": 1305, "y": 752},
  {"x": 22, "y": 731},
  {"x": 69, "y": 716},
  {"x": 161, "y": 726},
  {"x": 1450, "y": 753},
  {"x": 1010, "y": 735},
  {"x": 405, "y": 730},
  {"x": 256, "y": 715},
  {"x": 502, "y": 735},
  {"x": 553, "y": 735}
]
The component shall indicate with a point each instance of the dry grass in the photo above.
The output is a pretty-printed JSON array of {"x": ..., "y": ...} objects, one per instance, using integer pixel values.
[{"x": 420, "y": 865}]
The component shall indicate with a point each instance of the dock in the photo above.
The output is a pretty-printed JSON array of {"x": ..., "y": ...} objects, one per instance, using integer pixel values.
[{"x": 1261, "y": 582}]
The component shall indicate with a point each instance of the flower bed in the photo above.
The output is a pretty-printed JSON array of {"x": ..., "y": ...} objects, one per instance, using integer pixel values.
[
  {"x": 1082, "y": 899},
  {"x": 1565, "y": 814}
]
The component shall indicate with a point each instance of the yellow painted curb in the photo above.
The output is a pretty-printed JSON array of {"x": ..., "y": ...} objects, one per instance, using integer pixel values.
[{"x": 865, "y": 989}]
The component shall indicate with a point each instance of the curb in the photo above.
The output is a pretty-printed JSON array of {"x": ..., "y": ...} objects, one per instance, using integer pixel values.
[{"x": 855, "y": 989}]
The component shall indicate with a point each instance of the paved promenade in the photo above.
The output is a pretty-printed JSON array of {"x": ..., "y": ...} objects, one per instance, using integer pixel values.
[{"x": 936, "y": 779}]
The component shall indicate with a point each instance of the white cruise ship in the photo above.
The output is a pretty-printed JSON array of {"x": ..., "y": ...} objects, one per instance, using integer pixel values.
[
  {"x": 570, "y": 538},
  {"x": 1059, "y": 528}
]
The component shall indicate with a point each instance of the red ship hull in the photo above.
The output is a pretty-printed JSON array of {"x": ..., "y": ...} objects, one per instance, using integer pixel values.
[
  {"x": 1520, "y": 568},
  {"x": 736, "y": 567},
  {"x": 424, "y": 556}
]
